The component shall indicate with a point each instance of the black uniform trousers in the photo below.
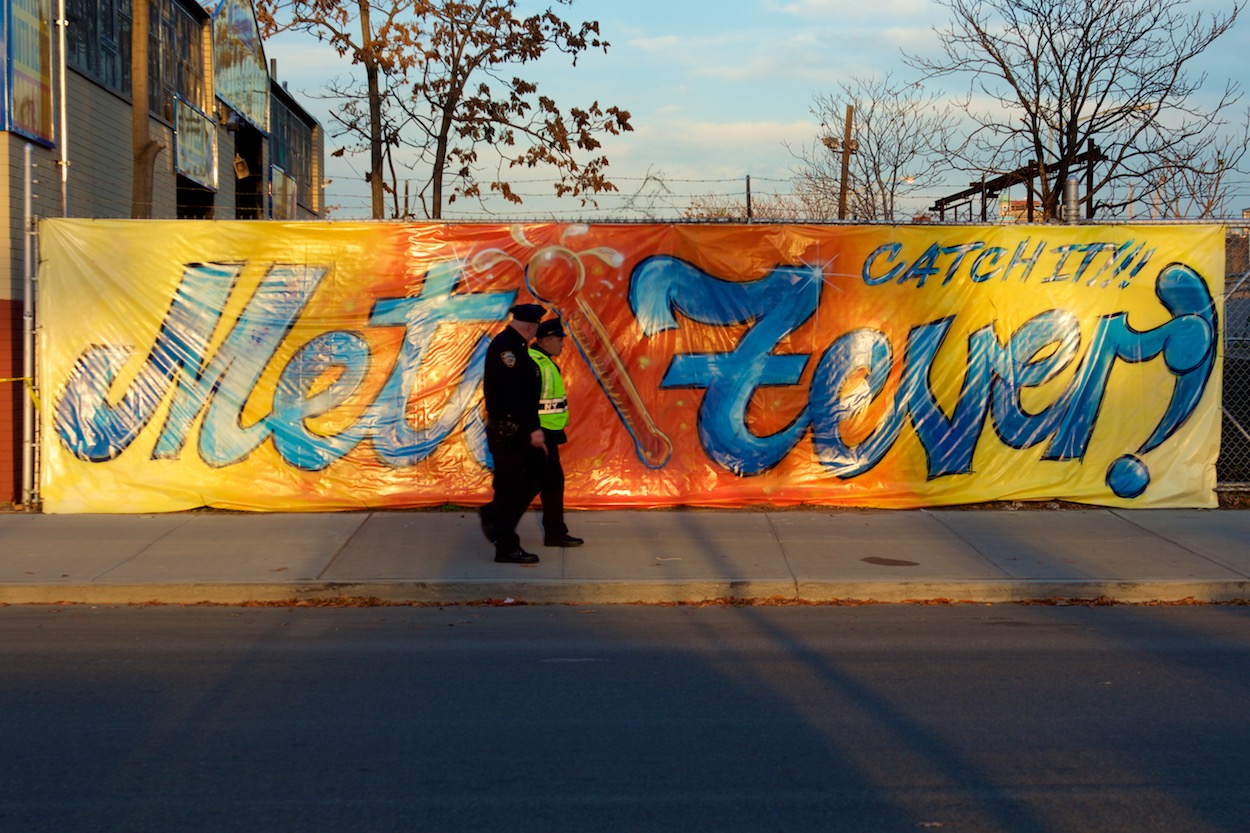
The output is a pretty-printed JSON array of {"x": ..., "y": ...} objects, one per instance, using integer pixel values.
[
  {"x": 518, "y": 478},
  {"x": 553, "y": 490}
]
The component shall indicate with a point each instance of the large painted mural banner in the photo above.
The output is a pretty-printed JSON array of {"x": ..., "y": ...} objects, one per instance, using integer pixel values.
[{"x": 322, "y": 366}]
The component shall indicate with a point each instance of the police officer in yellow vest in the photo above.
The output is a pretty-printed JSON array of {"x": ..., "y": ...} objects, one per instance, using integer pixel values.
[{"x": 553, "y": 415}]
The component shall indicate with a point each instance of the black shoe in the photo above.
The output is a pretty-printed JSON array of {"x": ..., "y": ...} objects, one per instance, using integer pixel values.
[
  {"x": 518, "y": 557},
  {"x": 564, "y": 540},
  {"x": 488, "y": 525}
]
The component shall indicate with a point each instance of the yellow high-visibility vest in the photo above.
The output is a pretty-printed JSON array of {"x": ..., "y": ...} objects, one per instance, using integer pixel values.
[{"x": 553, "y": 405}]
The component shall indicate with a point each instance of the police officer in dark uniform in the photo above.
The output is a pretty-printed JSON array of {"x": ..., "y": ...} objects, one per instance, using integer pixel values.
[
  {"x": 553, "y": 415},
  {"x": 511, "y": 386}
]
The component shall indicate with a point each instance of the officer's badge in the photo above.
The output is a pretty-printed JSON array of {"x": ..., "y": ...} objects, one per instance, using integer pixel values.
[{"x": 509, "y": 358}]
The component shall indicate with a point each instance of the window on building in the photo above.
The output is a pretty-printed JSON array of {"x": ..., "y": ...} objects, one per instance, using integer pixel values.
[
  {"x": 97, "y": 41},
  {"x": 291, "y": 150},
  {"x": 82, "y": 37},
  {"x": 98, "y": 46},
  {"x": 189, "y": 63},
  {"x": 195, "y": 202},
  {"x": 156, "y": 90},
  {"x": 282, "y": 191}
]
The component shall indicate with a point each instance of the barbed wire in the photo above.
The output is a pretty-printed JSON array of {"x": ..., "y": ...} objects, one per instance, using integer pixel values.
[
  {"x": 646, "y": 203},
  {"x": 1238, "y": 194}
]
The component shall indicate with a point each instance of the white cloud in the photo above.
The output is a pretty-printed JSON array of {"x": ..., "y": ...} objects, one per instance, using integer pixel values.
[
  {"x": 660, "y": 43},
  {"x": 878, "y": 11},
  {"x": 711, "y": 149}
]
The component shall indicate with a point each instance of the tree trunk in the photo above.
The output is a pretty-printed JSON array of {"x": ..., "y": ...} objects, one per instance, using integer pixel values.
[
  {"x": 375, "y": 114},
  {"x": 441, "y": 145}
]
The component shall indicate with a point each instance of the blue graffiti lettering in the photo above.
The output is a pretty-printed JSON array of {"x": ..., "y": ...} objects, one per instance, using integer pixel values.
[
  {"x": 777, "y": 304},
  {"x": 219, "y": 386},
  {"x": 1124, "y": 261},
  {"x": 853, "y": 372},
  {"x": 1188, "y": 345},
  {"x": 326, "y": 374},
  {"x": 224, "y": 388},
  {"x": 95, "y": 430},
  {"x": 295, "y": 401}
]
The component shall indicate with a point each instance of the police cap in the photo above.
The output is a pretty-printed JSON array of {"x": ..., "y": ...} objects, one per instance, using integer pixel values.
[
  {"x": 529, "y": 313},
  {"x": 551, "y": 327}
]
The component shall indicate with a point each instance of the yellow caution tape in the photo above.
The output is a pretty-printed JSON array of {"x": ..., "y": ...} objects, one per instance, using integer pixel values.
[{"x": 30, "y": 386}]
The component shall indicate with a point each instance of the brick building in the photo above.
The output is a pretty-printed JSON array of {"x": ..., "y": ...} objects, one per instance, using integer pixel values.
[{"x": 235, "y": 143}]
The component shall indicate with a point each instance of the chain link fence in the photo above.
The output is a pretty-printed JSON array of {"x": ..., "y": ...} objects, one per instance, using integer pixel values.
[{"x": 1233, "y": 467}]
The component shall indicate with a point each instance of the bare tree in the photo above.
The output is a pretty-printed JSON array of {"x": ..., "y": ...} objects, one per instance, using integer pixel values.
[
  {"x": 466, "y": 98},
  {"x": 1201, "y": 186},
  {"x": 1062, "y": 76},
  {"x": 901, "y": 135},
  {"x": 381, "y": 38},
  {"x": 732, "y": 208}
]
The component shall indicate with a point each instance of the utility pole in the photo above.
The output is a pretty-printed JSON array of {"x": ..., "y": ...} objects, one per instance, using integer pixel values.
[{"x": 846, "y": 146}]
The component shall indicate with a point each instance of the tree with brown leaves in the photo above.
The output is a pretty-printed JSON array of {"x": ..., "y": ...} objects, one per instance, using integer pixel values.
[
  {"x": 473, "y": 120},
  {"x": 439, "y": 83},
  {"x": 380, "y": 38}
]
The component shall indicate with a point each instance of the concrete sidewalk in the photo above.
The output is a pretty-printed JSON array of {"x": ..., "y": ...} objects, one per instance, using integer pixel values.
[{"x": 811, "y": 555}]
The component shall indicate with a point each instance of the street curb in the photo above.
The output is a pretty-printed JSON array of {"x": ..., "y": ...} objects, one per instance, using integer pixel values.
[
  {"x": 1002, "y": 592},
  {"x": 628, "y": 592}
]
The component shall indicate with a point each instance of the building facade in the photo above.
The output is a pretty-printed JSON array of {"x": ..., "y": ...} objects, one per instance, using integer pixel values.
[{"x": 234, "y": 144}]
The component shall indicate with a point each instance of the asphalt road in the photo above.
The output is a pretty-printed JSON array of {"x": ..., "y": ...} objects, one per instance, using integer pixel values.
[{"x": 875, "y": 718}]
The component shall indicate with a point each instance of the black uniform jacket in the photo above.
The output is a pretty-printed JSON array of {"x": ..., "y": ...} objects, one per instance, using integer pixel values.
[{"x": 511, "y": 383}]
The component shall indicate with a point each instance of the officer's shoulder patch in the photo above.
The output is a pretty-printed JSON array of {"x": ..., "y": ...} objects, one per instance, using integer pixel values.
[{"x": 509, "y": 358}]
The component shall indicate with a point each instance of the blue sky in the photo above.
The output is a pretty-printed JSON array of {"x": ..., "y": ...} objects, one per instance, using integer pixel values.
[{"x": 715, "y": 88}]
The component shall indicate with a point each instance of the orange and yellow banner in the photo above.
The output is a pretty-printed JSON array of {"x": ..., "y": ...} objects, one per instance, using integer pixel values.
[{"x": 320, "y": 366}]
